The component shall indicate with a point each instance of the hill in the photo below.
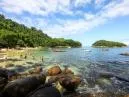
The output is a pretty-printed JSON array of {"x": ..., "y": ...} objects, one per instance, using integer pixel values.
[
  {"x": 13, "y": 34},
  {"x": 105, "y": 43}
]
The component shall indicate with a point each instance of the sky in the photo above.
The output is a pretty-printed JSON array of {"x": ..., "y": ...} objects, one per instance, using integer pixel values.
[{"x": 83, "y": 20}]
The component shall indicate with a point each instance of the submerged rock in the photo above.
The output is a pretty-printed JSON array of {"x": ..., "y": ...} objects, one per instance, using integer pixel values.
[
  {"x": 125, "y": 54},
  {"x": 21, "y": 87},
  {"x": 20, "y": 68},
  {"x": 54, "y": 71}
]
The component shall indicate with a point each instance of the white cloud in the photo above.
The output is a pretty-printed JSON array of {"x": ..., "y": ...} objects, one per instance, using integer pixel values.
[
  {"x": 98, "y": 2},
  {"x": 65, "y": 27},
  {"x": 81, "y": 2},
  {"x": 89, "y": 16},
  {"x": 38, "y": 7},
  {"x": 113, "y": 10}
]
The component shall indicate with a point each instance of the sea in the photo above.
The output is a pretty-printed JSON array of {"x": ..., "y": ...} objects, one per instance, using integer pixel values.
[{"x": 101, "y": 69}]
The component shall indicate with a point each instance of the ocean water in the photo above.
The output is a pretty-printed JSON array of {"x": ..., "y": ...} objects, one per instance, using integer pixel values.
[{"x": 101, "y": 69}]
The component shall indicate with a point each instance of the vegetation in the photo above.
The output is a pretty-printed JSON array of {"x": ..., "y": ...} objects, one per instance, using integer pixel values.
[
  {"x": 13, "y": 34},
  {"x": 104, "y": 43}
]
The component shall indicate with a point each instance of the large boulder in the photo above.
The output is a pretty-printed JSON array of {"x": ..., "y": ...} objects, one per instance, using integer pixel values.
[
  {"x": 21, "y": 87},
  {"x": 69, "y": 82},
  {"x": 3, "y": 73},
  {"x": 3, "y": 82},
  {"x": 3, "y": 78},
  {"x": 54, "y": 71},
  {"x": 45, "y": 91}
]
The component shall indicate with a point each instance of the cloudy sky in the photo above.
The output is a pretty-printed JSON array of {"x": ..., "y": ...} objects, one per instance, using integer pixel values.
[{"x": 82, "y": 20}]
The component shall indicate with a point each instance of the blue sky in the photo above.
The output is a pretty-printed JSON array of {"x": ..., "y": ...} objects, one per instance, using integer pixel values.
[{"x": 82, "y": 20}]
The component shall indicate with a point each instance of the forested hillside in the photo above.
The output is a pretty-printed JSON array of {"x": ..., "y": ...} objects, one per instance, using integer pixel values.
[
  {"x": 13, "y": 34},
  {"x": 105, "y": 43}
]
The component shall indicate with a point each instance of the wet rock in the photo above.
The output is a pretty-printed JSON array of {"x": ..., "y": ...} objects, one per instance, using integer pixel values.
[
  {"x": 36, "y": 70},
  {"x": 45, "y": 92},
  {"x": 70, "y": 83},
  {"x": 54, "y": 71},
  {"x": 21, "y": 87},
  {"x": 52, "y": 79},
  {"x": 67, "y": 71}
]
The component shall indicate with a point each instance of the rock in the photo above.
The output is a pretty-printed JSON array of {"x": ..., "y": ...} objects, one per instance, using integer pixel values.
[
  {"x": 126, "y": 95},
  {"x": 54, "y": 71},
  {"x": 46, "y": 92},
  {"x": 107, "y": 75},
  {"x": 3, "y": 78},
  {"x": 99, "y": 94},
  {"x": 3, "y": 73},
  {"x": 36, "y": 70},
  {"x": 12, "y": 74},
  {"x": 1, "y": 95},
  {"x": 3, "y": 82},
  {"x": 67, "y": 71},
  {"x": 70, "y": 83},
  {"x": 52, "y": 79},
  {"x": 20, "y": 68},
  {"x": 9, "y": 65},
  {"x": 21, "y": 87},
  {"x": 38, "y": 64},
  {"x": 125, "y": 54},
  {"x": 30, "y": 63}
]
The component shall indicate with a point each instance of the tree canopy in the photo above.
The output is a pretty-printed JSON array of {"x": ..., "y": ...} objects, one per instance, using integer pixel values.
[
  {"x": 105, "y": 43},
  {"x": 13, "y": 34}
]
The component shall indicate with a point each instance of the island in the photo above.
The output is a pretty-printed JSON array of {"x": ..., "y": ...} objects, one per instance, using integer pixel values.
[
  {"x": 13, "y": 34},
  {"x": 105, "y": 43}
]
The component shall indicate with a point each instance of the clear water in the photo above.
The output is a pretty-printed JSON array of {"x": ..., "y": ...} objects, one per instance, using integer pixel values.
[{"x": 92, "y": 64}]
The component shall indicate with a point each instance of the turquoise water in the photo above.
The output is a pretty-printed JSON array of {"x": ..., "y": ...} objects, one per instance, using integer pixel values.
[{"x": 96, "y": 67}]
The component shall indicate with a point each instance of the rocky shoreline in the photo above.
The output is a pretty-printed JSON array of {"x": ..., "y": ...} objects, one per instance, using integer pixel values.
[
  {"x": 55, "y": 79},
  {"x": 53, "y": 82}
]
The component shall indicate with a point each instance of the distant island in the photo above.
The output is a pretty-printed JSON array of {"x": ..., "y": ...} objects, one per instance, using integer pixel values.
[
  {"x": 13, "y": 34},
  {"x": 105, "y": 43}
]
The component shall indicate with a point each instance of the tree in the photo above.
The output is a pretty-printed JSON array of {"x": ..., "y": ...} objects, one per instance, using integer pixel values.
[{"x": 14, "y": 34}]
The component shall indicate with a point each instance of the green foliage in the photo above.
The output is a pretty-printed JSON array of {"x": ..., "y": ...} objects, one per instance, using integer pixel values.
[
  {"x": 13, "y": 34},
  {"x": 104, "y": 43}
]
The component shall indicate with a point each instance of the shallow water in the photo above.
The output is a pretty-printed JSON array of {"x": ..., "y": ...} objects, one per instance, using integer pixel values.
[{"x": 97, "y": 66}]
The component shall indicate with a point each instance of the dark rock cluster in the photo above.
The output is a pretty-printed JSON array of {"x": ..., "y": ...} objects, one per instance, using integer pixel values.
[{"x": 51, "y": 84}]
